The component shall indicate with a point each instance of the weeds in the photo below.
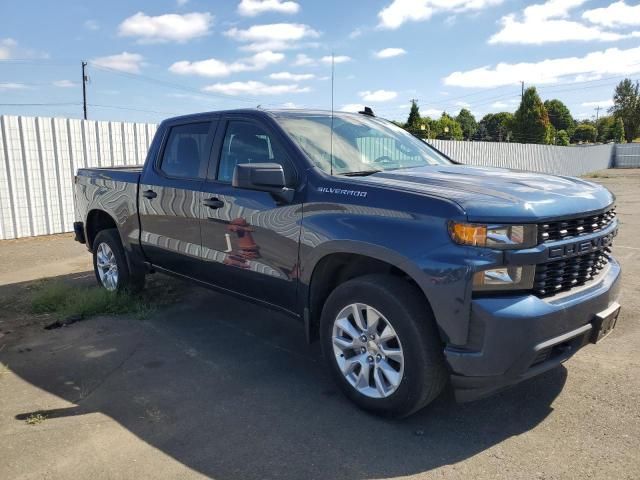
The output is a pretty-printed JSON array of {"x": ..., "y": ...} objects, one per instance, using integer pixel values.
[
  {"x": 66, "y": 302},
  {"x": 597, "y": 175},
  {"x": 35, "y": 419}
]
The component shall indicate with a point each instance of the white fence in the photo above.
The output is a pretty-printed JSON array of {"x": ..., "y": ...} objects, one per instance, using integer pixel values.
[
  {"x": 573, "y": 161},
  {"x": 39, "y": 157},
  {"x": 628, "y": 156}
]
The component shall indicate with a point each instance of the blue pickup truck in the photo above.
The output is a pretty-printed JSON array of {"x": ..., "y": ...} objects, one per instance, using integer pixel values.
[{"x": 414, "y": 272}]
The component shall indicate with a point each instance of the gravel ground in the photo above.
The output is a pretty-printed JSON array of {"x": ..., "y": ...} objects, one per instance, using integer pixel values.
[{"x": 215, "y": 387}]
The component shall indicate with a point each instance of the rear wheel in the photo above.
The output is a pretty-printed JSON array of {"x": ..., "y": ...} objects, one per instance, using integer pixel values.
[
  {"x": 110, "y": 264},
  {"x": 380, "y": 342}
]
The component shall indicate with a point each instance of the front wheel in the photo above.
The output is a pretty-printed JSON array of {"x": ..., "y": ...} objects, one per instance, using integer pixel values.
[
  {"x": 380, "y": 341},
  {"x": 110, "y": 264}
]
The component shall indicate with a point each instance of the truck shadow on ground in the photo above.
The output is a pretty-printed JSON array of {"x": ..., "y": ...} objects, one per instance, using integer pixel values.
[{"x": 233, "y": 391}]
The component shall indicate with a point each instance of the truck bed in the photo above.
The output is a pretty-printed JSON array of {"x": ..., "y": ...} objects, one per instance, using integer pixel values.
[{"x": 129, "y": 174}]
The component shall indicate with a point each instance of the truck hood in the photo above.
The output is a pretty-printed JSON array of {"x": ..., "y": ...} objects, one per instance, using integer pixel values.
[{"x": 499, "y": 194}]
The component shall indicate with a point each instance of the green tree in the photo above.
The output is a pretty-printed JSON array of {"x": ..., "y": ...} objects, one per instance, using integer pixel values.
[
  {"x": 617, "y": 131},
  {"x": 495, "y": 127},
  {"x": 559, "y": 115},
  {"x": 531, "y": 121},
  {"x": 414, "y": 121},
  {"x": 468, "y": 123},
  {"x": 585, "y": 132},
  {"x": 562, "y": 138},
  {"x": 604, "y": 126},
  {"x": 482, "y": 134},
  {"x": 448, "y": 128},
  {"x": 626, "y": 106}
]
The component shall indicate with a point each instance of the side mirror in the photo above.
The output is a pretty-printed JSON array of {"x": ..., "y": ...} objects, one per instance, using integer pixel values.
[{"x": 264, "y": 177}]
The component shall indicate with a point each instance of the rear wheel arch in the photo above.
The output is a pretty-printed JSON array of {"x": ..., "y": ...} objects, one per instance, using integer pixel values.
[{"x": 98, "y": 220}]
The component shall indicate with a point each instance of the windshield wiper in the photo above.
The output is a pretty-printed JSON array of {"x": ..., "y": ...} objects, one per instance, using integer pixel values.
[{"x": 361, "y": 173}]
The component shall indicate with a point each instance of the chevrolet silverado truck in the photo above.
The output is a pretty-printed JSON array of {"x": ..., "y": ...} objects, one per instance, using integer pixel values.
[{"x": 414, "y": 272}]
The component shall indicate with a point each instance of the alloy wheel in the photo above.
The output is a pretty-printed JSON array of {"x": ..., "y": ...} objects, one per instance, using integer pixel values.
[{"x": 368, "y": 350}]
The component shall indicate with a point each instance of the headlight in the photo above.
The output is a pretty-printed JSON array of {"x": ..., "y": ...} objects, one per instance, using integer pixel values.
[
  {"x": 502, "y": 237},
  {"x": 504, "y": 278}
]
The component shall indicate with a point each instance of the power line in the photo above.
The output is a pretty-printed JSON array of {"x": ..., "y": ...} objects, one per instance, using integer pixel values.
[
  {"x": 37, "y": 104},
  {"x": 177, "y": 86},
  {"x": 133, "y": 109}
]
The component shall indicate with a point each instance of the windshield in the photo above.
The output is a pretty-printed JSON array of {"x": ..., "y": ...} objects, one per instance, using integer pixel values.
[{"x": 360, "y": 143}]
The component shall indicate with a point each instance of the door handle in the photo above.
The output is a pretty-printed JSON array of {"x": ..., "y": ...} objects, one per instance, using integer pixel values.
[
  {"x": 150, "y": 194},
  {"x": 213, "y": 203}
]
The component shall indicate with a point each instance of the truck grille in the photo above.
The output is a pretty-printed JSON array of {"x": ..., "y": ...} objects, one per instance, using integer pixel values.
[
  {"x": 559, "y": 230},
  {"x": 562, "y": 275}
]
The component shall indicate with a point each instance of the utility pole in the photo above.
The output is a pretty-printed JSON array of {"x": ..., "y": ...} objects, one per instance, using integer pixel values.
[
  {"x": 84, "y": 89},
  {"x": 522, "y": 90},
  {"x": 597, "y": 112}
]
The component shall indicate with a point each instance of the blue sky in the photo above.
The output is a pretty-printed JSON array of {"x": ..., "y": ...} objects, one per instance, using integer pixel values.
[{"x": 155, "y": 58}]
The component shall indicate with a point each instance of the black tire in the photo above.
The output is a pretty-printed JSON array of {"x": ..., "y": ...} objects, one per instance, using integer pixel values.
[
  {"x": 405, "y": 307},
  {"x": 126, "y": 280}
]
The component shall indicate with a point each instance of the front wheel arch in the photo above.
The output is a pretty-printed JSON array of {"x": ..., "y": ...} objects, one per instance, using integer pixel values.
[{"x": 329, "y": 269}]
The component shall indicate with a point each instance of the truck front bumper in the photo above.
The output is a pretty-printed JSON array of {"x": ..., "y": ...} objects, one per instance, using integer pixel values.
[{"x": 513, "y": 338}]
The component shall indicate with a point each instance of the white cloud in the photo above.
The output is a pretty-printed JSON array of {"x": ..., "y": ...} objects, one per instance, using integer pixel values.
[
  {"x": 612, "y": 61},
  {"x": 9, "y": 49},
  {"x": 290, "y": 105},
  {"x": 401, "y": 11},
  {"x": 390, "y": 52},
  {"x": 499, "y": 105},
  {"x": 253, "y": 88},
  {"x": 274, "y": 36},
  {"x": 171, "y": 27},
  {"x": 352, "y": 107},
  {"x": 219, "y": 68},
  {"x": 64, "y": 84},
  {"x": 13, "y": 86},
  {"x": 378, "y": 95},
  {"x": 181, "y": 3},
  {"x": 602, "y": 103},
  {"x": 337, "y": 59},
  {"x": 432, "y": 112},
  {"x": 356, "y": 33},
  {"x": 303, "y": 60},
  {"x": 251, "y": 8},
  {"x": 6, "y": 48},
  {"x": 123, "y": 62},
  {"x": 91, "y": 25},
  {"x": 294, "y": 77},
  {"x": 548, "y": 23},
  {"x": 618, "y": 14},
  {"x": 584, "y": 116}
]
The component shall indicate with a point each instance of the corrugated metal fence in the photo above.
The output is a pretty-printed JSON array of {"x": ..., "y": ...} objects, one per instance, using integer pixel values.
[
  {"x": 574, "y": 161},
  {"x": 628, "y": 156},
  {"x": 39, "y": 157}
]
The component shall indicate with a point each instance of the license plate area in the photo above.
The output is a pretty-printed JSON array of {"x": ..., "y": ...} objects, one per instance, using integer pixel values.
[{"x": 604, "y": 323}]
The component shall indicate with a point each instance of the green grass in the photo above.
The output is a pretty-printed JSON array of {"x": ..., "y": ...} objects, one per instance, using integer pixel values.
[
  {"x": 67, "y": 301},
  {"x": 35, "y": 419},
  {"x": 597, "y": 175}
]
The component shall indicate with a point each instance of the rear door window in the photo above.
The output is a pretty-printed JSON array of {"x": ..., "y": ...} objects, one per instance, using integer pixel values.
[{"x": 185, "y": 153}]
